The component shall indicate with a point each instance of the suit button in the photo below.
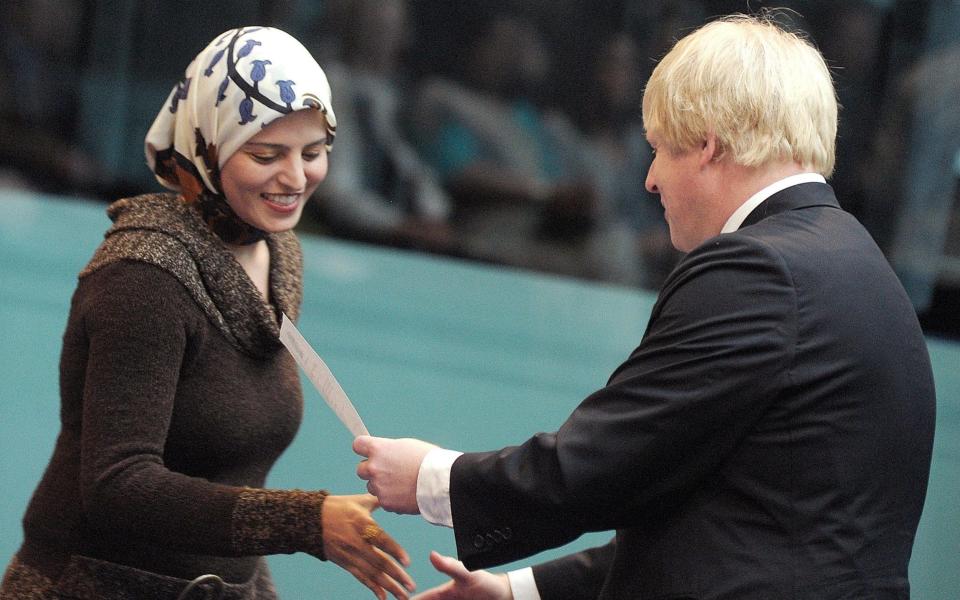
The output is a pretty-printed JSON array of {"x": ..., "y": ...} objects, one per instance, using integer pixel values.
[{"x": 479, "y": 542}]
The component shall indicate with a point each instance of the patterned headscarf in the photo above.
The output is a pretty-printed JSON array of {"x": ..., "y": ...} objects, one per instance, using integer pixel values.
[{"x": 239, "y": 83}]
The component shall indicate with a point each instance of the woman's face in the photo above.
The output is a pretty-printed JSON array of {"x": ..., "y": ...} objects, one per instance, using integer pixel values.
[{"x": 270, "y": 178}]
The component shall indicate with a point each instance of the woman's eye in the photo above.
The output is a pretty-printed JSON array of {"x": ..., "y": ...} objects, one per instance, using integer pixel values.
[
  {"x": 263, "y": 158},
  {"x": 311, "y": 155}
]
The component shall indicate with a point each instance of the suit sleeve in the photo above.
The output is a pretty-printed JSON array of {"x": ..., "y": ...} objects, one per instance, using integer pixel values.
[
  {"x": 577, "y": 576},
  {"x": 718, "y": 347}
]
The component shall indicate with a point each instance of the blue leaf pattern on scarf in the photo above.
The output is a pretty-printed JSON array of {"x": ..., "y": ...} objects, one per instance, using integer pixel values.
[
  {"x": 287, "y": 94},
  {"x": 213, "y": 62},
  {"x": 246, "y": 111},
  {"x": 221, "y": 93},
  {"x": 247, "y": 48},
  {"x": 183, "y": 87},
  {"x": 258, "y": 71}
]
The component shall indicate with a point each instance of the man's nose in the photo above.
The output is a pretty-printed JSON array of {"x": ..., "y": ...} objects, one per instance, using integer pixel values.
[{"x": 649, "y": 184}]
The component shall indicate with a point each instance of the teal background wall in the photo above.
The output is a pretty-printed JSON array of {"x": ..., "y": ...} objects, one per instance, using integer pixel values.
[{"x": 463, "y": 355}]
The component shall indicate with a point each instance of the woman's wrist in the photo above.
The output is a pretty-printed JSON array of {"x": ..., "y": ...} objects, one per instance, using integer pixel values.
[{"x": 279, "y": 522}]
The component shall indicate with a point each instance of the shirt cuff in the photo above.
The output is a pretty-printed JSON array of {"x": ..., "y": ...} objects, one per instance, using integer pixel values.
[
  {"x": 433, "y": 486},
  {"x": 522, "y": 584}
]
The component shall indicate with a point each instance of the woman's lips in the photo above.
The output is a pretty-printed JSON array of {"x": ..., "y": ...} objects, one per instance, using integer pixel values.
[{"x": 282, "y": 202}]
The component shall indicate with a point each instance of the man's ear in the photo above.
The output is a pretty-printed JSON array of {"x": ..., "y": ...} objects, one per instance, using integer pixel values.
[{"x": 708, "y": 150}]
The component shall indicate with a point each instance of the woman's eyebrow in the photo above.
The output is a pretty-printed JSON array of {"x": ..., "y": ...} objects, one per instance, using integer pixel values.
[{"x": 284, "y": 146}]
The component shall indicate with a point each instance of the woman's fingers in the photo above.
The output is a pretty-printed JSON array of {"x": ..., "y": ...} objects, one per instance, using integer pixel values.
[
  {"x": 353, "y": 540},
  {"x": 385, "y": 542},
  {"x": 362, "y": 577},
  {"x": 372, "y": 568},
  {"x": 385, "y": 572},
  {"x": 381, "y": 549}
]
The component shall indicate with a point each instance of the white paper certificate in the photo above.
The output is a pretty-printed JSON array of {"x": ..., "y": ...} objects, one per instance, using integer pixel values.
[{"x": 320, "y": 376}]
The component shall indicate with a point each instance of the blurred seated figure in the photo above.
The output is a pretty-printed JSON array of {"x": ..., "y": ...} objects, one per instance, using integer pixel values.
[
  {"x": 38, "y": 101},
  {"x": 378, "y": 189},
  {"x": 619, "y": 156},
  {"x": 522, "y": 195},
  {"x": 916, "y": 166}
]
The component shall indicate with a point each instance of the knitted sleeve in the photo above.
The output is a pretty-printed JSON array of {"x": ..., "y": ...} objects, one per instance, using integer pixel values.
[
  {"x": 278, "y": 522},
  {"x": 138, "y": 327}
]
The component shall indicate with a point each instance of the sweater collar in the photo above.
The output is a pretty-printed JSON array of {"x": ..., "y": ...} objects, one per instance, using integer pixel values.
[{"x": 161, "y": 229}]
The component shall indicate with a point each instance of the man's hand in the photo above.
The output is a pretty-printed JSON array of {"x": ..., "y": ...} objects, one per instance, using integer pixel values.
[
  {"x": 464, "y": 584},
  {"x": 390, "y": 469}
]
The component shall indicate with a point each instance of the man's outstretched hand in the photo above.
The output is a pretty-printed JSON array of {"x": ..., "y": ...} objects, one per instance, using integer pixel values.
[
  {"x": 390, "y": 469},
  {"x": 464, "y": 584}
]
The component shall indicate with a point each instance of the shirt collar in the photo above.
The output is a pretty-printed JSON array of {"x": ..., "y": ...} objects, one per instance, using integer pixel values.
[{"x": 739, "y": 215}]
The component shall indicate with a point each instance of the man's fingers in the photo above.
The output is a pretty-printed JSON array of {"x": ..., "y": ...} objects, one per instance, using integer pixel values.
[
  {"x": 449, "y": 566},
  {"x": 368, "y": 501},
  {"x": 361, "y": 445}
]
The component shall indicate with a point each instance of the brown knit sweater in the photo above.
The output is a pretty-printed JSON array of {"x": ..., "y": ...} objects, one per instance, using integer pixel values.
[{"x": 177, "y": 398}]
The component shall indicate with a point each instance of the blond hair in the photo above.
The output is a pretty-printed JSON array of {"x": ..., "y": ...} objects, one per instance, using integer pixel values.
[{"x": 765, "y": 93}]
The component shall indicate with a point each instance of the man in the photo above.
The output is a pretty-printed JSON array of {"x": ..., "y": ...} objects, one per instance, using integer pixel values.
[{"x": 770, "y": 438}]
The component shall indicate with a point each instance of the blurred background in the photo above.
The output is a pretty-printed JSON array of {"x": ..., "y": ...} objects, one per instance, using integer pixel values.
[
  {"x": 483, "y": 249},
  {"x": 504, "y": 131}
]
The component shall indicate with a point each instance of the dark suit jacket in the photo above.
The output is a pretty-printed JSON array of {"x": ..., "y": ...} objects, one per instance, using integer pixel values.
[{"x": 770, "y": 438}]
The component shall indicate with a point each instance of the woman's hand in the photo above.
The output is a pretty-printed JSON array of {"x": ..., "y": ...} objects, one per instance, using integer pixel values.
[
  {"x": 466, "y": 585},
  {"x": 353, "y": 540}
]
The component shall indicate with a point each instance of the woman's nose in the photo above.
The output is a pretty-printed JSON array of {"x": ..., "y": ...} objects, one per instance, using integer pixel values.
[{"x": 292, "y": 175}]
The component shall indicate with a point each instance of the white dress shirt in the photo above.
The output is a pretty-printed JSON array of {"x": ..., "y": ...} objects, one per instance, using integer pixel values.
[
  {"x": 433, "y": 479},
  {"x": 741, "y": 214}
]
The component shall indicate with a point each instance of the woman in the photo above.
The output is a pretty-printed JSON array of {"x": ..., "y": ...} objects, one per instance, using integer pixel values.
[{"x": 177, "y": 396}]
